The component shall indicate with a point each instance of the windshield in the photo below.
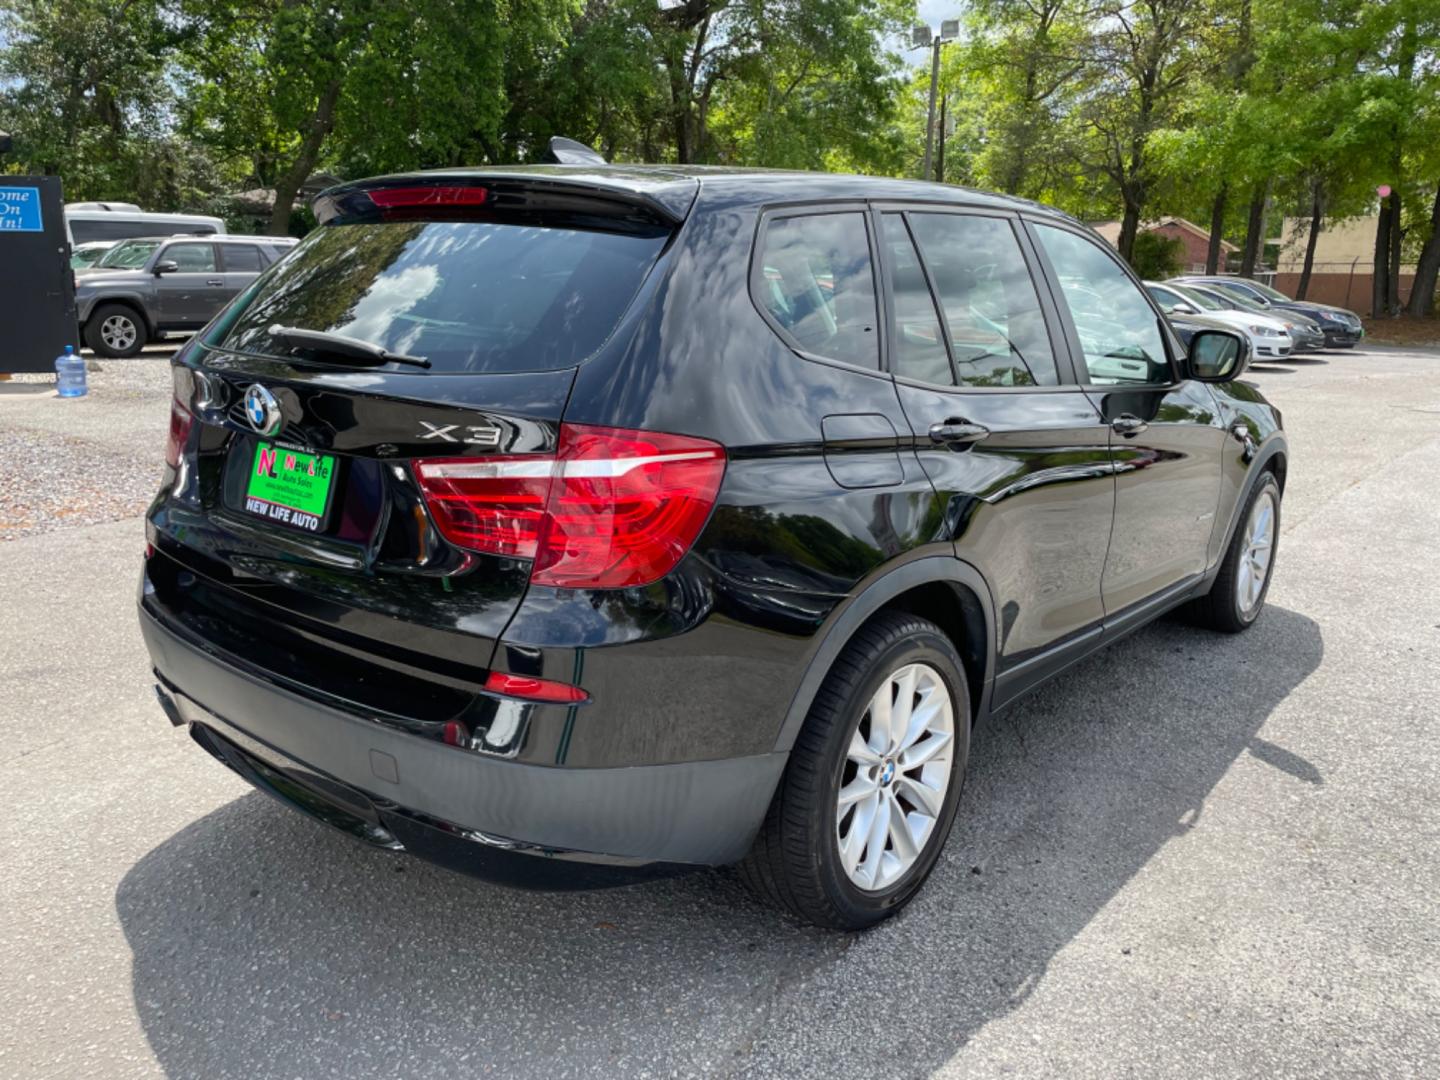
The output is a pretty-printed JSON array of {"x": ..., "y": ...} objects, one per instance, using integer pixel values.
[
  {"x": 128, "y": 254},
  {"x": 1269, "y": 293},
  {"x": 1203, "y": 300},
  {"x": 1244, "y": 303},
  {"x": 468, "y": 296}
]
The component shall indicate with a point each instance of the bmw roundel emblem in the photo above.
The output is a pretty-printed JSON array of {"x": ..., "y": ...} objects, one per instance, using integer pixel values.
[{"x": 262, "y": 410}]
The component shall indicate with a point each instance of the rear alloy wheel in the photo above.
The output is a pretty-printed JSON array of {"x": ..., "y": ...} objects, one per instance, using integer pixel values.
[
  {"x": 114, "y": 330},
  {"x": 896, "y": 774},
  {"x": 873, "y": 781}
]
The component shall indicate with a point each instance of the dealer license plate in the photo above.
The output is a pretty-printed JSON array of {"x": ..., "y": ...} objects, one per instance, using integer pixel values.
[{"x": 290, "y": 486}]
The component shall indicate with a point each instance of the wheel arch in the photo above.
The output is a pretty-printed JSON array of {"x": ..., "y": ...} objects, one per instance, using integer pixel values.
[
  {"x": 127, "y": 300},
  {"x": 947, "y": 591}
]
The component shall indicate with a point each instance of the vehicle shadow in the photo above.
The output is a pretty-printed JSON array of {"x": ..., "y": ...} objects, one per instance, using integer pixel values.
[{"x": 264, "y": 944}]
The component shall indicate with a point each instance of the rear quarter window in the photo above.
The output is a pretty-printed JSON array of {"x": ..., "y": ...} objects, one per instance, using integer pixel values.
[
  {"x": 469, "y": 296},
  {"x": 815, "y": 281}
]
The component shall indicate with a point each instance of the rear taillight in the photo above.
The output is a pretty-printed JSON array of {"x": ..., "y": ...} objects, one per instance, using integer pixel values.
[
  {"x": 181, "y": 420},
  {"x": 611, "y": 509}
]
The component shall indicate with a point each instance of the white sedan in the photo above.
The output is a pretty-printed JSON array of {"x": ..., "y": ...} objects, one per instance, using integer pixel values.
[{"x": 1269, "y": 337}]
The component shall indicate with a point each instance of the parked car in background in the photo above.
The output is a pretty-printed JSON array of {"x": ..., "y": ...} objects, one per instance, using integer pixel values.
[
  {"x": 1269, "y": 337},
  {"x": 84, "y": 256},
  {"x": 1342, "y": 328},
  {"x": 89, "y": 221},
  {"x": 568, "y": 523},
  {"x": 143, "y": 289},
  {"x": 1305, "y": 332}
]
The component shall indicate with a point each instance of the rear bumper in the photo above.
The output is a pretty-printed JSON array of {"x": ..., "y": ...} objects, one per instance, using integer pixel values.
[{"x": 429, "y": 796}]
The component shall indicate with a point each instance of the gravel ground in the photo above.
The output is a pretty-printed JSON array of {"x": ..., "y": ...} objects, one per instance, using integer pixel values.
[
  {"x": 1191, "y": 855},
  {"x": 65, "y": 465}
]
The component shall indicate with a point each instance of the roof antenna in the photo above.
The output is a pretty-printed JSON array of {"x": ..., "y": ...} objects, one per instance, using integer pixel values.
[{"x": 570, "y": 152}]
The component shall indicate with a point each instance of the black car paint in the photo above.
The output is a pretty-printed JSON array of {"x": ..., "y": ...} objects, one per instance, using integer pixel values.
[{"x": 836, "y": 502}]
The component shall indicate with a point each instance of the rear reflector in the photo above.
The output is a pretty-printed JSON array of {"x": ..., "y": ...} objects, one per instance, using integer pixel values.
[
  {"x": 532, "y": 689},
  {"x": 428, "y": 195},
  {"x": 612, "y": 509}
]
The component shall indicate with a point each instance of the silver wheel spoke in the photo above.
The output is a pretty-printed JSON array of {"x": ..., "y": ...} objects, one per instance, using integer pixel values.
[
  {"x": 860, "y": 751},
  {"x": 922, "y": 752},
  {"x": 880, "y": 719},
  {"x": 875, "y": 843},
  {"x": 853, "y": 845},
  {"x": 857, "y": 789},
  {"x": 901, "y": 839},
  {"x": 926, "y": 799}
]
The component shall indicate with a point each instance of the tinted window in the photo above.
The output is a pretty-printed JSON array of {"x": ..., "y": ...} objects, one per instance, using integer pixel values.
[
  {"x": 468, "y": 296},
  {"x": 191, "y": 258},
  {"x": 997, "y": 329},
  {"x": 1119, "y": 331},
  {"x": 242, "y": 257},
  {"x": 917, "y": 347},
  {"x": 816, "y": 283}
]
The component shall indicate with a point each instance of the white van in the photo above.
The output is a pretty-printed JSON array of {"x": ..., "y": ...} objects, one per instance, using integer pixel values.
[{"x": 86, "y": 221}]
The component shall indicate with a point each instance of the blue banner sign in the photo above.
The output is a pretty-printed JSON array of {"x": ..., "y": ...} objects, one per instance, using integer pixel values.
[{"x": 20, "y": 209}]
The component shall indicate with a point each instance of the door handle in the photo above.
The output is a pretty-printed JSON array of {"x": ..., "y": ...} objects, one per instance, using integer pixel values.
[
  {"x": 957, "y": 431},
  {"x": 214, "y": 281},
  {"x": 1127, "y": 425}
]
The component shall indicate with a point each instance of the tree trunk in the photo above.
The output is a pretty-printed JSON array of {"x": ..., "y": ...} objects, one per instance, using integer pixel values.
[
  {"x": 1129, "y": 226},
  {"x": 1380, "y": 275},
  {"x": 1317, "y": 218},
  {"x": 1392, "y": 284},
  {"x": 1217, "y": 226},
  {"x": 1254, "y": 230},
  {"x": 290, "y": 182},
  {"x": 1422, "y": 292}
]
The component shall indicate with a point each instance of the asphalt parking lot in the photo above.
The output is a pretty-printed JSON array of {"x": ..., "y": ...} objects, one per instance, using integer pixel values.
[{"x": 1190, "y": 856}]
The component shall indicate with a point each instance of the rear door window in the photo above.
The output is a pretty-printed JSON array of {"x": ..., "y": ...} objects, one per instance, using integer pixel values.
[
  {"x": 469, "y": 296},
  {"x": 917, "y": 349},
  {"x": 997, "y": 328},
  {"x": 816, "y": 283}
]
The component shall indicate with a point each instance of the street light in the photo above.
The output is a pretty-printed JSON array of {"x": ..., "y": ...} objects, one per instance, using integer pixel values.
[{"x": 921, "y": 37}]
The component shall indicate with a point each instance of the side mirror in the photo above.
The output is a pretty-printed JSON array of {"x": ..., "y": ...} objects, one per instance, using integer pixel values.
[
  {"x": 1218, "y": 356},
  {"x": 1184, "y": 309},
  {"x": 166, "y": 266}
]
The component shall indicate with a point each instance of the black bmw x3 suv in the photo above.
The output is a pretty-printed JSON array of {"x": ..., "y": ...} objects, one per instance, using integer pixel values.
[{"x": 564, "y": 524}]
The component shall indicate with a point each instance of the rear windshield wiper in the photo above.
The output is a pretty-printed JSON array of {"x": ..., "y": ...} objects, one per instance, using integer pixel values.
[{"x": 322, "y": 342}]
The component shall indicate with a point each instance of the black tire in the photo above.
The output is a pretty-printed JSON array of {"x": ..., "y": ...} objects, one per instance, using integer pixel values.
[
  {"x": 94, "y": 331},
  {"x": 795, "y": 862},
  {"x": 1220, "y": 608}
]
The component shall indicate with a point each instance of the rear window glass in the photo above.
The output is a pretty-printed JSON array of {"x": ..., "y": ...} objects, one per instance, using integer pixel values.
[{"x": 467, "y": 296}]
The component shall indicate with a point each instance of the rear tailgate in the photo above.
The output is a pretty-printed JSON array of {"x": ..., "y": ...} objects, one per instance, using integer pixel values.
[{"x": 292, "y": 534}]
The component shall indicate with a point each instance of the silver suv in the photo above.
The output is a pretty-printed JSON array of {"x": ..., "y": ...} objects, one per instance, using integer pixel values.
[{"x": 145, "y": 288}]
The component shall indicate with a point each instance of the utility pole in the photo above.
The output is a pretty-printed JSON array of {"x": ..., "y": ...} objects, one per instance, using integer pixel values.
[{"x": 920, "y": 37}]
